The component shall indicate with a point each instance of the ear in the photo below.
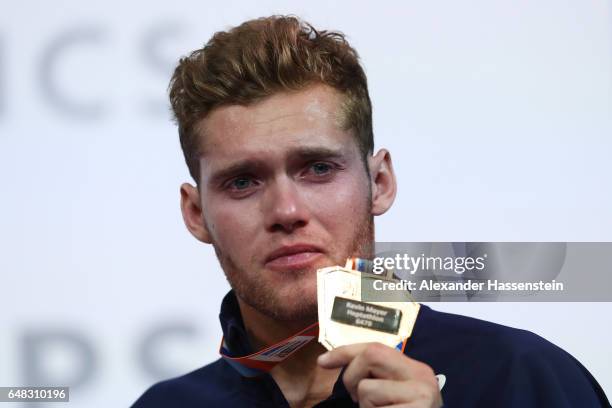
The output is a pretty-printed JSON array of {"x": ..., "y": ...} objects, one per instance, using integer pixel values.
[
  {"x": 383, "y": 181},
  {"x": 193, "y": 217}
]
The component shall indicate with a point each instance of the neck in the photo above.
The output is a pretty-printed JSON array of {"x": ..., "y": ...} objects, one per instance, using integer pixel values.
[{"x": 302, "y": 381}]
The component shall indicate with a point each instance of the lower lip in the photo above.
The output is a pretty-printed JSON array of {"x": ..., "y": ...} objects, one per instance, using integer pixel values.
[{"x": 295, "y": 261}]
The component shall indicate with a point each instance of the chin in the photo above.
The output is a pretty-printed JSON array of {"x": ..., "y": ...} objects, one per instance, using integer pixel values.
[
  {"x": 298, "y": 304},
  {"x": 306, "y": 312},
  {"x": 285, "y": 300}
]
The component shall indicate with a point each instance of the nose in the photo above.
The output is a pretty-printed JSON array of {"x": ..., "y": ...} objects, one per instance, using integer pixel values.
[{"x": 285, "y": 209}]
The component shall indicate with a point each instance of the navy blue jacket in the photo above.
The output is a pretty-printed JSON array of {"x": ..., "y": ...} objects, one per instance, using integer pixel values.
[{"x": 485, "y": 365}]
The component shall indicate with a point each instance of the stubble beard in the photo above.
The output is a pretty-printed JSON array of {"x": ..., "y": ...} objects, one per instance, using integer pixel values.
[{"x": 296, "y": 306}]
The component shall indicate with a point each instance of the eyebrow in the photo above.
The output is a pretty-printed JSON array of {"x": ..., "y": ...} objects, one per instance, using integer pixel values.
[
  {"x": 252, "y": 165},
  {"x": 311, "y": 153}
]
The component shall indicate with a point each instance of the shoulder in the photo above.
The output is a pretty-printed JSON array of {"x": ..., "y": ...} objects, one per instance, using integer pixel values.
[
  {"x": 502, "y": 363},
  {"x": 463, "y": 331},
  {"x": 483, "y": 341},
  {"x": 206, "y": 385}
]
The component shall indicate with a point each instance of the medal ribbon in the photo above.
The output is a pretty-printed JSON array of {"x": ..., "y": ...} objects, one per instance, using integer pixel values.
[{"x": 265, "y": 360}]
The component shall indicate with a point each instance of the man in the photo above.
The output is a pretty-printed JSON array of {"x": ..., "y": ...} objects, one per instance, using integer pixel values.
[{"x": 275, "y": 123}]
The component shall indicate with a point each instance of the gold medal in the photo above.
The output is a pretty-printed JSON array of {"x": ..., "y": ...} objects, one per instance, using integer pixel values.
[{"x": 345, "y": 319}]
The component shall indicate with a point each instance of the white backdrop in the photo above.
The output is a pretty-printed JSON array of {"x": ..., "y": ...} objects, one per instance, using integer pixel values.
[{"x": 498, "y": 114}]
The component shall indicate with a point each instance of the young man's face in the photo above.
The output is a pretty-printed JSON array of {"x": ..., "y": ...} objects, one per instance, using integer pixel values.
[{"x": 284, "y": 191}]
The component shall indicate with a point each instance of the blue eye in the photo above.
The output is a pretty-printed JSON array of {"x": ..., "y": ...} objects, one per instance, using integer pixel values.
[
  {"x": 241, "y": 183},
  {"x": 321, "y": 168}
]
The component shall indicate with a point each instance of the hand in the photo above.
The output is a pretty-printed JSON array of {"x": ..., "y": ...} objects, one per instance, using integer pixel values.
[{"x": 377, "y": 375}]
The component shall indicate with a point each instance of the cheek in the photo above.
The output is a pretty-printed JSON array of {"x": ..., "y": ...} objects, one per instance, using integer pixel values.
[
  {"x": 342, "y": 202},
  {"x": 231, "y": 225}
]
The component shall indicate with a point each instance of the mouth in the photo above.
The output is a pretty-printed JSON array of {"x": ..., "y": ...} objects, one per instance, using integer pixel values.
[{"x": 293, "y": 257}]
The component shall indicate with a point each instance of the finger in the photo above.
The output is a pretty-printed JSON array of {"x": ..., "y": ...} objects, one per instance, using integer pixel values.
[
  {"x": 416, "y": 404},
  {"x": 378, "y": 393},
  {"x": 341, "y": 356},
  {"x": 372, "y": 392},
  {"x": 382, "y": 362},
  {"x": 406, "y": 405},
  {"x": 403, "y": 405}
]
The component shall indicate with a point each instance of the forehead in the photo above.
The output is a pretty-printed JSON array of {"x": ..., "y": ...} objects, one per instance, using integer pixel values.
[{"x": 310, "y": 117}]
